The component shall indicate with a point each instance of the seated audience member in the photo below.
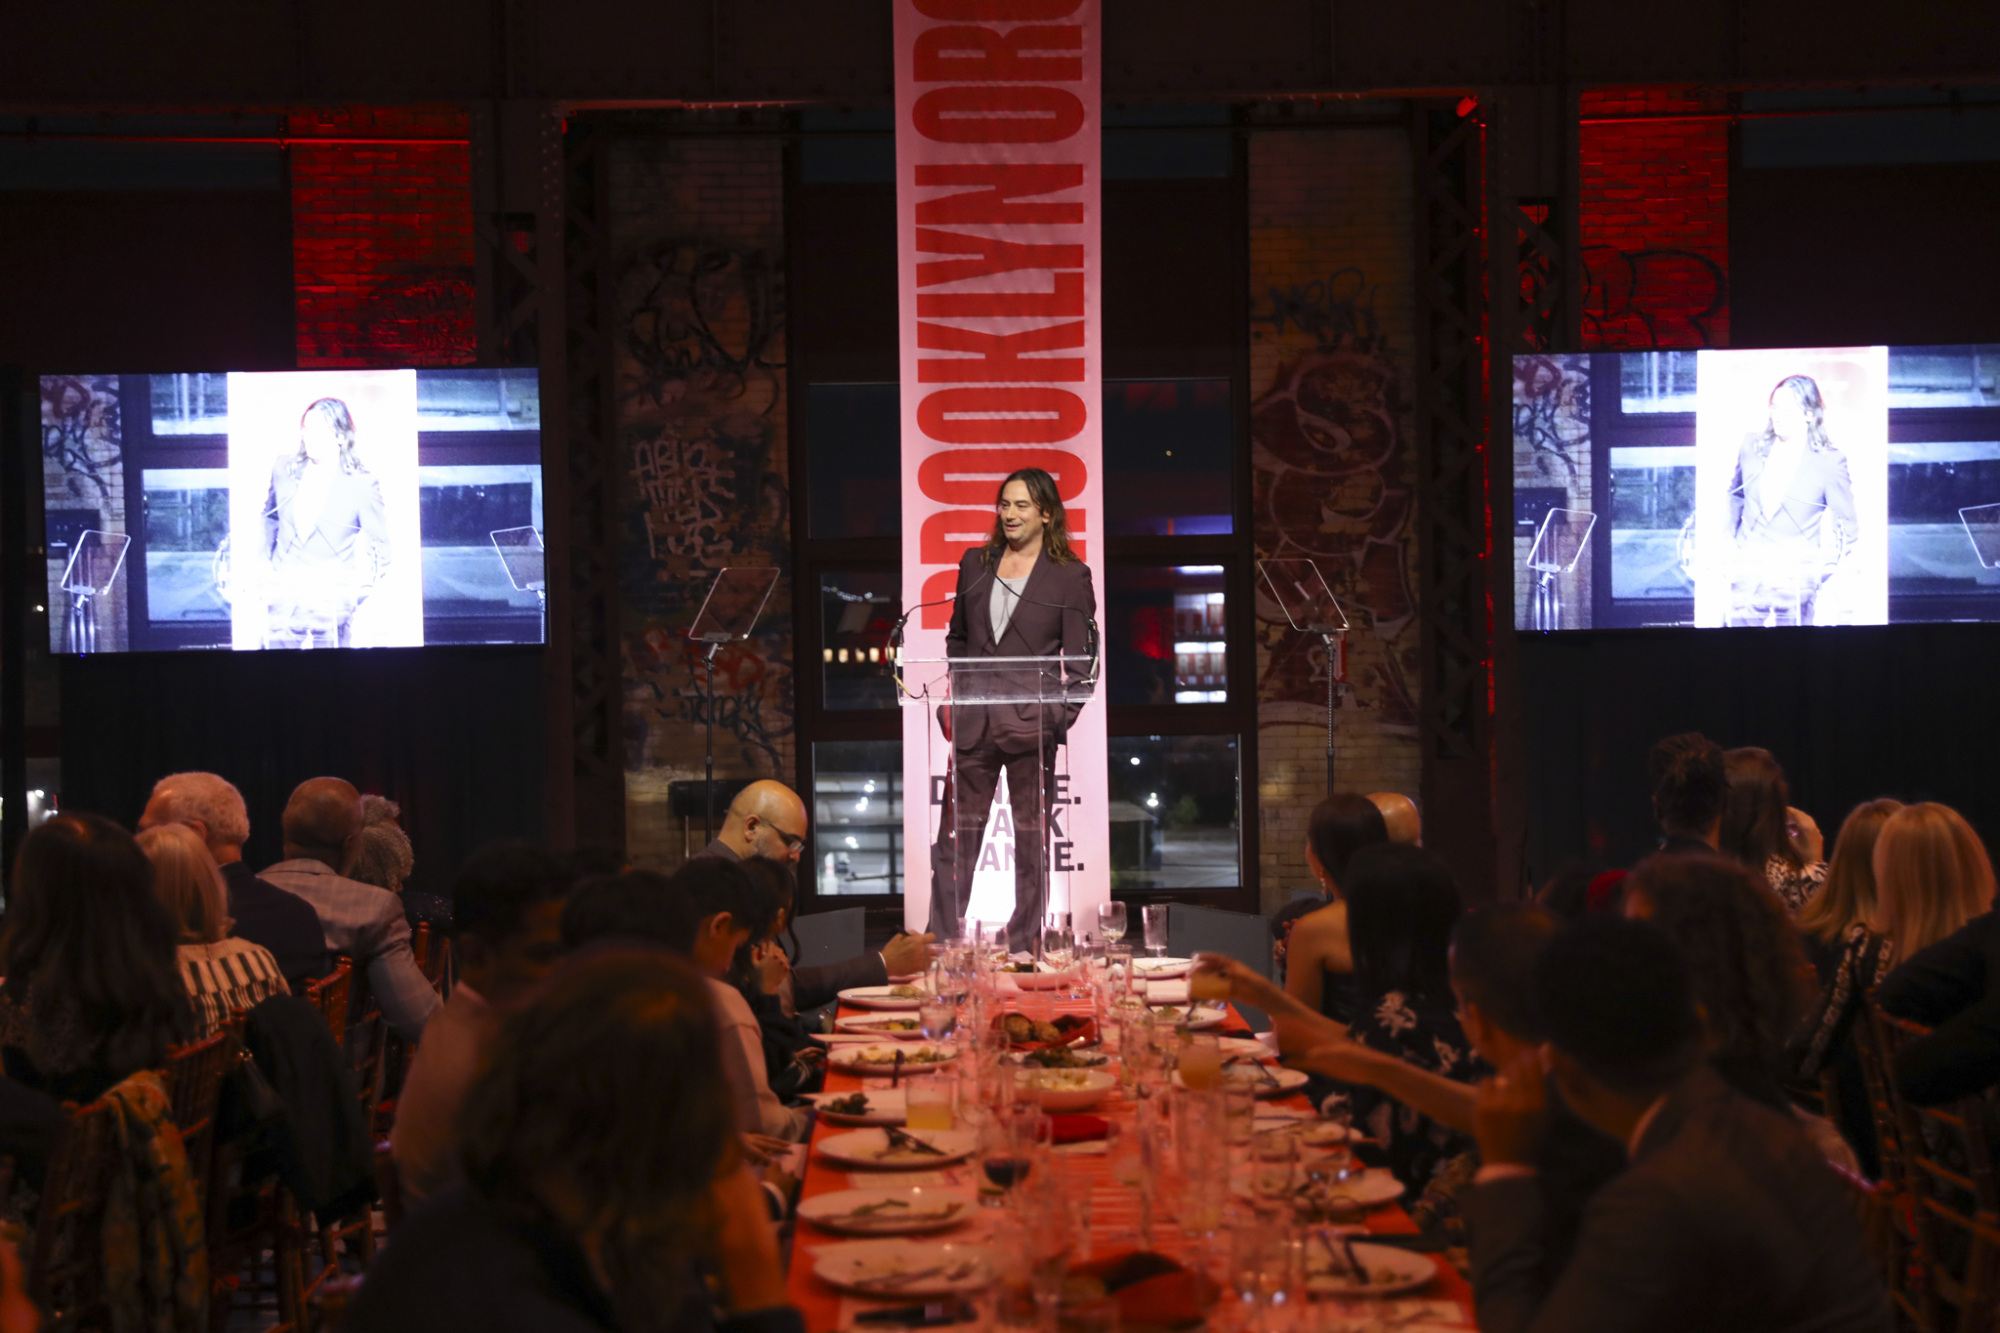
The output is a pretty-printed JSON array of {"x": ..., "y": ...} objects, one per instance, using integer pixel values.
[
  {"x": 1954, "y": 985},
  {"x": 631, "y": 907},
  {"x": 1400, "y": 816},
  {"x": 322, "y": 824},
  {"x": 603, "y": 1186},
  {"x": 384, "y": 857},
  {"x": 767, "y": 819},
  {"x": 93, "y": 990},
  {"x": 263, "y": 913},
  {"x": 1726, "y": 1220},
  {"x": 222, "y": 973},
  {"x": 1847, "y": 899},
  {"x": 507, "y": 903},
  {"x": 793, "y": 1062},
  {"x": 1762, "y": 830},
  {"x": 1690, "y": 790},
  {"x": 731, "y": 911},
  {"x": 1310, "y": 936}
]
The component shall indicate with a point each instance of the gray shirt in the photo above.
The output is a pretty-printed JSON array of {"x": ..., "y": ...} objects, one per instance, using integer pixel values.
[{"x": 1006, "y": 595}]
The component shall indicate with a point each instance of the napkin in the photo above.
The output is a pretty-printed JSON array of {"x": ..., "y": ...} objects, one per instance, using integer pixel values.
[
  {"x": 1152, "y": 1290},
  {"x": 1079, "y": 1128}
]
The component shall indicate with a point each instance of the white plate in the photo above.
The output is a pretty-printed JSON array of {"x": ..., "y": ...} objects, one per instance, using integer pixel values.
[
  {"x": 1160, "y": 969},
  {"x": 1195, "y": 1018},
  {"x": 1245, "y": 1048},
  {"x": 903, "y": 1212},
  {"x": 1288, "y": 1080},
  {"x": 881, "y": 1059},
  {"x": 885, "y": 1107},
  {"x": 878, "y": 1026},
  {"x": 870, "y": 1147},
  {"x": 1042, "y": 980},
  {"x": 878, "y": 997},
  {"x": 1371, "y": 1189},
  {"x": 869, "y": 1267},
  {"x": 1390, "y": 1270},
  {"x": 1095, "y": 1086}
]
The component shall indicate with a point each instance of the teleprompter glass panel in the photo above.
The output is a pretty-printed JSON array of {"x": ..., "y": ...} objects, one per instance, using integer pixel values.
[
  {"x": 857, "y": 612},
  {"x": 854, "y": 443},
  {"x": 1175, "y": 805},
  {"x": 1164, "y": 635},
  {"x": 1167, "y": 464},
  {"x": 857, "y": 829}
]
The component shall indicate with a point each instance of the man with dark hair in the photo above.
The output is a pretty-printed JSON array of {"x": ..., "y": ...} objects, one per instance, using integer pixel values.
[
  {"x": 1690, "y": 788},
  {"x": 506, "y": 905},
  {"x": 1727, "y": 1217},
  {"x": 730, "y": 911}
]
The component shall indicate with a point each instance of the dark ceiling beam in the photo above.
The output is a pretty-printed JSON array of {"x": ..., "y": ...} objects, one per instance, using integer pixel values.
[{"x": 228, "y": 52}]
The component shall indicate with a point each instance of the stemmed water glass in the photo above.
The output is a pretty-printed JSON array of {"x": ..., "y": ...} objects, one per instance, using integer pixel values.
[
  {"x": 1111, "y": 921},
  {"x": 1058, "y": 947}
]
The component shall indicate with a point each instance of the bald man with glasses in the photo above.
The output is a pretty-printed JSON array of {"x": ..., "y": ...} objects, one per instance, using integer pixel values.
[{"x": 767, "y": 819}]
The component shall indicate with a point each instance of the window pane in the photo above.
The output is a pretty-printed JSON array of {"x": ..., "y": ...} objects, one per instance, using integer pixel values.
[
  {"x": 854, "y": 443},
  {"x": 1164, "y": 635},
  {"x": 1174, "y": 820},
  {"x": 858, "y": 816},
  {"x": 1167, "y": 463},
  {"x": 856, "y": 613}
]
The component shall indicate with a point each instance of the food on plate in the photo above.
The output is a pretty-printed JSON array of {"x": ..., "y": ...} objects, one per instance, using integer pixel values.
[
  {"x": 886, "y": 1055},
  {"x": 1056, "y": 1080},
  {"x": 1062, "y": 1057},
  {"x": 854, "y": 1103},
  {"x": 1065, "y": 1030},
  {"x": 907, "y": 992},
  {"x": 890, "y": 1024}
]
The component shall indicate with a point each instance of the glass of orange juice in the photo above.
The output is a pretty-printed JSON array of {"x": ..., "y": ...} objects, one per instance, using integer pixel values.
[
  {"x": 930, "y": 1101},
  {"x": 1201, "y": 1060},
  {"x": 1208, "y": 986}
]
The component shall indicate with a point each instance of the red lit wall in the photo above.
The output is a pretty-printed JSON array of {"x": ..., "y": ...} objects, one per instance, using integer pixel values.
[
  {"x": 1655, "y": 219},
  {"x": 382, "y": 237}
]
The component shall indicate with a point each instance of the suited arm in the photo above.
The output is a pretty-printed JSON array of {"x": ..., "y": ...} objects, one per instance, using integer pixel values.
[
  {"x": 1958, "y": 1060},
  {"x": 1840, "y": 508},
  {"x": 1936, "y": 983},
  {"x": 1632, "y": 1256},
  {"x": 1081, "y": 606},
  {"x": 955, "y": 633},
  {"x": 1736, "y": 499},
  {"x": 397, "y": 983},
  {"x": 374, "y": 520},
  {"x": 272, "y": 521},
  {"x": 814, "y": 986}
]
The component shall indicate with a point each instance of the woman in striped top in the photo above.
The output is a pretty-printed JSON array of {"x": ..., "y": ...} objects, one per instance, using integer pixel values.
[{"x": 222, "y": 973}]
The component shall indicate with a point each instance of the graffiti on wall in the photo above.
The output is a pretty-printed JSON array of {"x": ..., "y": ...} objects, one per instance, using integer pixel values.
[
  {"x": 421, "y": 316},
  {"x": 1332, "y": 483},
  {"x": 700, "y": 394},
  {"x": 1652, "y": 297}
]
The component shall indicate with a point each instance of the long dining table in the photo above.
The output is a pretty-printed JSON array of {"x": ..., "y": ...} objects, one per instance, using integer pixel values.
[{"x": 1114, "y": 1210}]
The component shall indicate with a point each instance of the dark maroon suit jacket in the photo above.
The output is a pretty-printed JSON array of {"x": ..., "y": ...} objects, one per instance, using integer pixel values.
[{"x": 1049, "y": 619}]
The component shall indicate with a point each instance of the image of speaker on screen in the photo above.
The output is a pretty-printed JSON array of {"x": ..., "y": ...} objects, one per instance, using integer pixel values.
[
  {"x": 1804, "y": 506},
  {"x": 333, "y": 529},
  {"x": 1024, "y": 593}
]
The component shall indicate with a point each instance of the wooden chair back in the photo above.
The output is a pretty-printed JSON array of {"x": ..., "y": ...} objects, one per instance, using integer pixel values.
[
  {"x": 329, "y": 995},
  {"x": 1948, "y": 1160},
  {"x": 195, "y": 1074},
  {"x": 66, "y": 1268}
]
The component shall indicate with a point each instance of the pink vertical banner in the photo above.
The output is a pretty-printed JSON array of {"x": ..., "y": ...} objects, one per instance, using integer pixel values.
[{"x": 998, "y": 162}]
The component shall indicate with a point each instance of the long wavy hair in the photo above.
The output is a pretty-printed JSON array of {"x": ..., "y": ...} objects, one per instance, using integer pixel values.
[
  {"x": 85, "y": 935},
  {"x": 601, "y": 1112},
  {"x": 1750, "y": 972},
  {"x": 334, "y": 412},
  {"x": 1805, "y": 391},
  {"x": 1932, "y": 875},
  {"x": 1848, "y": 895},
  {"x": 1753, "y": 817},
  {"x": 1055, "y": 537}
]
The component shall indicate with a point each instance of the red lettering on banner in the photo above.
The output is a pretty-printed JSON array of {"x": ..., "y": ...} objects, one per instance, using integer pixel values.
[
  {"x": 971, "y": 416},
  {"x": 936, "y": 587},
  {"x": 973, "y": 476},
  {"x": 1000, "y": 358},
  {"x": 995, "y": 256},
  {"x": 970, "y": 527},
  {"x": 998, "y": 113},
  {"x": 986, "y": 55},
  {"x": 1066, "y": 299},
  {"x": 1002, "y": 184},
  {"x": 995, "y": 11}
]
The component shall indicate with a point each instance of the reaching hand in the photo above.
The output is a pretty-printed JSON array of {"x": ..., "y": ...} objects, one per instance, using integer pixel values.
[
  {"x": 1510, "y": 1112},
  {"x": 1348, "y": 1061},
  {"x": 907, "y": 954},
  {"x": 772, "y": 966},
  {"x": 1246, "y": 985},
  {"x": 1806, "y": 838}
]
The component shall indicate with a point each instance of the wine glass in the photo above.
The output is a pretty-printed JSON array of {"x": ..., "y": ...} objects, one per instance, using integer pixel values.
[
  {"x": 1111, "y": 920},
  {"x": 939, "y": 1017},
  {"x": 1155, "y": 918},
  {"x": 1058, "y": 947}
]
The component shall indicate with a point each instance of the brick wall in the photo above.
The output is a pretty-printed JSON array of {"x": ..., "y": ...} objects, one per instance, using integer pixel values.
[
  {"x": 697, "y": 256},
  {"x": 382, "y": 238},
  {"x": 1655, "y": 220},
  {"x": 1332, "y": 336}
]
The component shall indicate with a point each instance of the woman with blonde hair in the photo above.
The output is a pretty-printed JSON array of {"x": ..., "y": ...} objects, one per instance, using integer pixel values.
[
  {"x": 221, "y": 973},
  {"x": 1848, "y": 896}
]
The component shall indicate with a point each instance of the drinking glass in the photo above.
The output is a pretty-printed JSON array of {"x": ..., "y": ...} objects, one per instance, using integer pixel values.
[
  {"x": 1155, "y": 918},
  {"x": 930, "y": 1101},
  {"x": 1058, "y": 948},
  {"x": 939, "y": 1017},
  {"x": 1200, "y": 1060},
  {"x": 1111, "y": 921},
  {"x": 1274, "y": 1171},
  {"x": 1003, "y": 1155}
]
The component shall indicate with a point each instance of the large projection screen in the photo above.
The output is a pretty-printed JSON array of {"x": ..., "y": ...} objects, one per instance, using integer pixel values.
[
  {"x": 292, "y": 510},
  {"x": 1759, "y": 488}
]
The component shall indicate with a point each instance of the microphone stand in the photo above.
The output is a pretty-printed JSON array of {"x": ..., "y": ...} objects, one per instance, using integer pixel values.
[{"x": 708, "y": 748}]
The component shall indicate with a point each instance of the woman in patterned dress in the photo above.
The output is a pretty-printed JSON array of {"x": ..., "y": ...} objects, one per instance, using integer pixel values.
[{"x": 1760, "y": 829}]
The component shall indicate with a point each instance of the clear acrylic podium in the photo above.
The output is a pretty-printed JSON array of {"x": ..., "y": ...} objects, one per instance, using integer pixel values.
[{"x": 1005, "y": 717}]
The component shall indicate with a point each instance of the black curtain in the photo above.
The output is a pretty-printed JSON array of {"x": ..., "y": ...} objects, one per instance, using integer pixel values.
[
  {"x": 1910, "y": 711},
  {"x": 453, "y": 734}
]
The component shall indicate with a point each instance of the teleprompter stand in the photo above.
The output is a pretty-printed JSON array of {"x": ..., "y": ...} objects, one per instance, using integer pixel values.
[
  {"x": 728, "y": 614},
  {"x": 1309, "y": 605}
]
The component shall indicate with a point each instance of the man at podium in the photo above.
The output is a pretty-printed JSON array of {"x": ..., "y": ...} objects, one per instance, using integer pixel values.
[{"x": 1025, "y": 593}]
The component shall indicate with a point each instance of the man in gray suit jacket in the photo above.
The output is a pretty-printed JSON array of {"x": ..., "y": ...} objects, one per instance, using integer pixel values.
[{"x": 1727, "y": 1219}]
